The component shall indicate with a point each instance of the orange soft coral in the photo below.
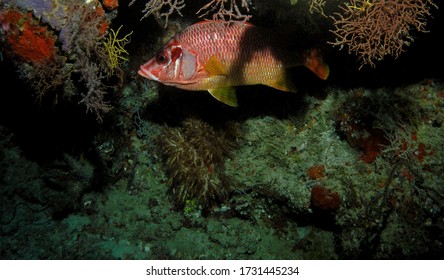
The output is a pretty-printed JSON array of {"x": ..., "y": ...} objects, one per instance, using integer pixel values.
[
  {"x": 111, "y": 4},
  {"x": 27, "y": 38}
]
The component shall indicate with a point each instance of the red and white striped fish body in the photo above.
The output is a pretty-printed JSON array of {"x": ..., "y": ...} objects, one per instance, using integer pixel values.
[{"x": 216, "y": 56}]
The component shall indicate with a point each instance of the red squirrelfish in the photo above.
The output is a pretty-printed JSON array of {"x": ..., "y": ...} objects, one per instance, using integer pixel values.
[{"x": 217, "y": 56}]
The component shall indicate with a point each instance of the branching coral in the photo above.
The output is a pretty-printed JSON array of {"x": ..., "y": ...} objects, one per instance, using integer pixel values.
[
  {"x": 161, "y": 9},
  {"x": 219, "y": 9},
  {"x": 377, "y": 28},
  {"x": 193, "y": 157},
  {"x": 47, "y": 76},
  {"x": 226, "y": 10},
  {"x": 317, "y": 6},
  {"x": 115, "y": 47},
  {"x": 82, "y": 39}
]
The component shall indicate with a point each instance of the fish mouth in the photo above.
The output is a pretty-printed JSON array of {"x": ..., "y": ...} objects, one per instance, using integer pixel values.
[{"x": 147, "y": 74}]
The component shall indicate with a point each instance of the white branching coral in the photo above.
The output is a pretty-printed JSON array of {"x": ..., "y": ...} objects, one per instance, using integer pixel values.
[
  {"x": 161, "y": 9},
  {"x": 227, "y": 10}
]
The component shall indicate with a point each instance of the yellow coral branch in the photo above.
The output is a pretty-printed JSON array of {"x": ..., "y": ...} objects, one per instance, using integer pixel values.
[
  {"x": 363, "y": 5},
  {"x": 116, "y": 48}
]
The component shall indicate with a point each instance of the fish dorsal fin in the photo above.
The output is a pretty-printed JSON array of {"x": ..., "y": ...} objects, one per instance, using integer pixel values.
[
  {"x": 225, "y": 95},
  {"x": 283, "y": 84},
  {"x": 215, "y": 67}
]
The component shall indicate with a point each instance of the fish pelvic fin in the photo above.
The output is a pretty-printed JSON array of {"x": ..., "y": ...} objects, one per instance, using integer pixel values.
[
  {"x": 316, "y": 64},
  {"x": 225, "y": 95}
]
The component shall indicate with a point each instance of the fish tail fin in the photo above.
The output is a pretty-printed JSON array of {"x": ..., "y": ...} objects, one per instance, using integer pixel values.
[{"x": 316, "y": 64}]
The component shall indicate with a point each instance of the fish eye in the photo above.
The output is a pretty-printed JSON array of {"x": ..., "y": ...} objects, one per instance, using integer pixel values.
[{"x": 161, "y": 58}]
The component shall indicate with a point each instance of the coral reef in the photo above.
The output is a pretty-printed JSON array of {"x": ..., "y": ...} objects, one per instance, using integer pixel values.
[
  {"x": 366, "y": 119},
  {"x": 51, "y": 62},
  {"x": 350, "y": 168},
  {"x": 328, "y": 168}
]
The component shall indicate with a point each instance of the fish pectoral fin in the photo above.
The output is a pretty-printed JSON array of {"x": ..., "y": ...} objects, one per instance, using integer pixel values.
[
  {"x": 215, "y": 67},
  {"x": 283, "y": 85},
  {"x": 225, "y": 95}
]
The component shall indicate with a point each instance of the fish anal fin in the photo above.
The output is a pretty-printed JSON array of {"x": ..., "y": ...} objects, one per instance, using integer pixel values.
[
  {"x": 215, "y": 67},
  {"x": 225, "y": 95},
  {"x": 283, "y": 85},
  {"x": 316, "y": 64}
]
